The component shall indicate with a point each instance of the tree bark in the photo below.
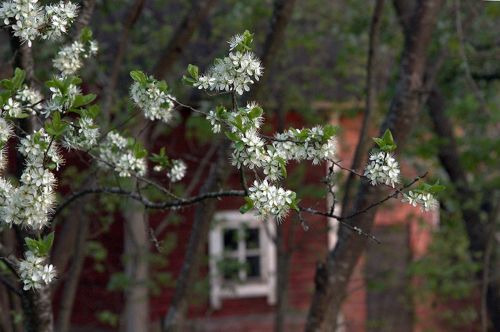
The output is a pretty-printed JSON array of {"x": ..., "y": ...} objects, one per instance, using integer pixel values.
[
  {"x": 85, "y": 16},
  {"x": 332, "y": 278},
  {"x": 132, "y": 16},
  {"x": 136, "y": 317},
  {"x": 199, "y": 11},
  {"x": 218, "y": 174},
  {"x": 371, "y": 95},
  {"x": 71, "y": 284},
  {"x": 478, "y": 230}
]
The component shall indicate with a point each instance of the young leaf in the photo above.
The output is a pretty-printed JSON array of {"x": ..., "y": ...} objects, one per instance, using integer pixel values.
[
  {"x": 83, "y": 100},
  {"x": 138, "y": 76},
  {"x": 247, "y": 206},
  {"x": 193, "y": 71}
]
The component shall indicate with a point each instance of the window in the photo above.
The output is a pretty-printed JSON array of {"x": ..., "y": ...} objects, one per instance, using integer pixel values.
[{"x": 242, "y": 257}]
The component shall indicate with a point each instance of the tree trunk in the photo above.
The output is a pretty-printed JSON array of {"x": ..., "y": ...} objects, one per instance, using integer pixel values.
[
  {"x": 199, "y": 11},
  {"x": 218, "y": 174},
  {"x": 333, "y": 277},
  {"x": 478, "y": 230},
  {"x": 136, "y": 317},
  {"x": 71, "y": 284}
]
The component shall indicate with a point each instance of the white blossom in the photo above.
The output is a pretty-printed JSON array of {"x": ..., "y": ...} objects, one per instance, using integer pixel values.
[
  {"x": 59, "y": 17},
  {"x": 39, "y": 146},
  {"x": 34, "y": 272},
  {"x": 214, "y": 121},
  {"x": 70, "y": 58},
  {"x": 13, "y": 108},
  {"x": 153, "y": 100},
  {"x": 234, "y": 41},
  {"x": 250, "y": 152},
  {"x": 26, "y": 17},
  {"x": 313, "y": 147},
  {"x": 382, "y": 169},
  {"x": 270, "y": 200},
  {"x": 29, "y": 20},
  {"x": 236, "y": 72},
  {"x": 115, "y": 153},
  {"x": 5, "y": 131},
  {"x": 426, "y": 201},
  {"x": 82, "y": 135},
  {"x": 178, "y": 170},
  {"x": 30, "y": 98}
]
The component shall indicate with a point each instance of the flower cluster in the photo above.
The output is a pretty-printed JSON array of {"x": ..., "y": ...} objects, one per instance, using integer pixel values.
[
  {"x": 152, "y": 98},
  {"x": 39, "y": 149},
  {"x": 177, "y": 171},
  {"x": 382, "y": 169},
  {"x": 306, "y": 144},
  {"x": 5, "y": 133},
  {"x": 70, "y": 58},
  {"x": 26, "y": 100},
  {"x": 426, "y": 201},
  {"x": 117, "y": 152},
  {"x": 235, "y": 72},
  {"x": 271, "y": 200},
  {"x": 34, "y": 272},
  {"x": 58, "y": 18},
  {"x": 82, "y": 135},
  {"x": 30, "y": 204},
  {"x": 29, "y": 20},
  {"x": 61, "y": 99},
  {"x": 251, "y": 152}
]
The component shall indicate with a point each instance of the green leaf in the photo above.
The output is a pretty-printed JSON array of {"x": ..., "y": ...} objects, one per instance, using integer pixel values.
[
  {"x": 255, "y": 112},
  {"x": 118, "y": 281},
  {"x": 163, "y": 86},
  {"x": 86, "y": 35},
  {"x": 329, "y": 131},
  {"x": 232, "y": 136},
  {"x": 83, "y": 100},
  {"x": 193, "y": 71},
  {"x": 31, "y": 244},
  {"x": 247, "y": 206},
  {"x": 49, "y": 240},
  {"x": 7, "y": 84},
  {"x": 386, "y": 142},
  {"x": 188, "y": 80},
  {"x": 93, "y": 111},
  {"x": 295, "y": 204},
  {"x": 107, "y": 317},
  {"x": 56, "y": 127},
  {"x": 387, "y": 137},
  {"x": 139, "y": 76},
  {"x": 18, "y": 79}
]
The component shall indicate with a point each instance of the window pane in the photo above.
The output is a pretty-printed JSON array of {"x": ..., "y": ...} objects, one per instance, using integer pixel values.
[
  {"x": 253, "y": 266},
  {"x": 230, "y": 239},
  {"x": 252, "y": 238},
  {"x": 230, "y": 268}
]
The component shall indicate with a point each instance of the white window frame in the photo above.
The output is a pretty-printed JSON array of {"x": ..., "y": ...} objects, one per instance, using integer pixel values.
[{"x": 266, "y": 286}]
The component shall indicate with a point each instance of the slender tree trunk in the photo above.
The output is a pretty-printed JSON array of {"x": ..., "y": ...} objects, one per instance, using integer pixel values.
[
  {"x": 283, "y": 262},
  {"x": 218, "y": 174},
  {"x": 136, "y": 318},
  {"x": 332, "y": 278},
  {"x": 200, "y": 10},
  {"x": 371, "y": 96},
  {"x": 71, "y": 284},
  {"x": 478, "y": 230},
  {"x": 132, "y": 16}
]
